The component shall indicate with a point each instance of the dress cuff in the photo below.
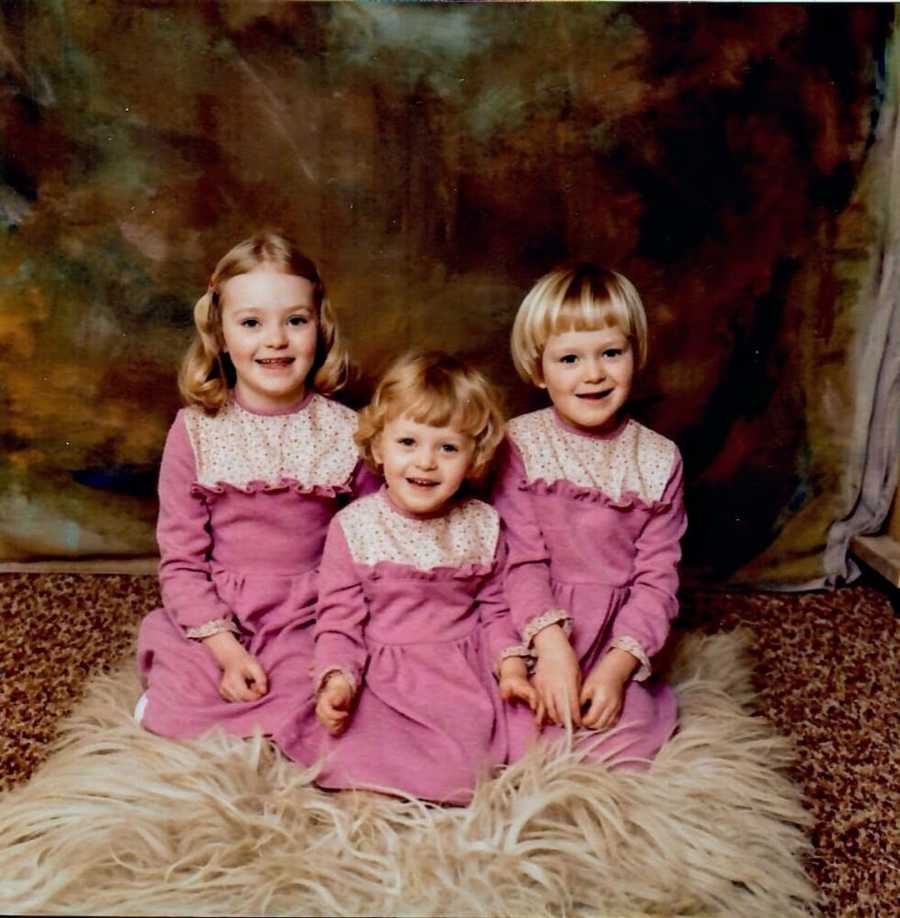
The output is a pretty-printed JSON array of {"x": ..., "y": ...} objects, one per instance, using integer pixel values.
[
  {"x": 207, "y": 629},
  {"x": 553, "y": 617},
  {"x": 325, "y": 673},
  {"x": 630, "y": 645}
]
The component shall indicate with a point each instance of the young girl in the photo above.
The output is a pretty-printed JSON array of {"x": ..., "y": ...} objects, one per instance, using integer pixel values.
[
  {"x": 411, "y": 617},
  {"x": 251, "y": 475},
  {"x": 592, "y": 502}
]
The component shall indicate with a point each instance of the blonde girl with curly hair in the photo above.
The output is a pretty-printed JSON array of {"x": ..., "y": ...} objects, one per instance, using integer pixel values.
[
  {"x": 412, "y": 630},
  {"x": 252, "y": 472}
]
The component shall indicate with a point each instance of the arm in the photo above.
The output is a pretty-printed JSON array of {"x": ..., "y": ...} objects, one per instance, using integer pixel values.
[
  {"x": 541, "y": 623},
  {"x": 185, "y": 542},
  {"x": 642, "y": 625},
  {"x": 185, "y": 578},
  {"x": 341, "y": 613},
  {"x": 506, "y": 653},
  {"x": 531, "y": 600}
]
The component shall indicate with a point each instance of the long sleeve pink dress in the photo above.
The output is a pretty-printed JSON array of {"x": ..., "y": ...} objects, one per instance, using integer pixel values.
[
  {"x": 594, "y": 522},
  {"x": 245, "y": 503},
  {"x": 412, "y": 611}
]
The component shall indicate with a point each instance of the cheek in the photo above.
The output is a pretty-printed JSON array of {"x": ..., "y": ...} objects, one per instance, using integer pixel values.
[{"x": 307, "y": 339}]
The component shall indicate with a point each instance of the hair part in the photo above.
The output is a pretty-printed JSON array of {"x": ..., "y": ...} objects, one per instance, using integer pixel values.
[
  {"x": 206, "y": 373},
  {"x": 585, "y": 297},
  {"x": 437, "y": 389}
]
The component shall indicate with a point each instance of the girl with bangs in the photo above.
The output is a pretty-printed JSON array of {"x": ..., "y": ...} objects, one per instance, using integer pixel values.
[
  {"x": 592, "y": 504},
  {"x": 412, "y": 620},
  {"x": 254, "y": 467}
]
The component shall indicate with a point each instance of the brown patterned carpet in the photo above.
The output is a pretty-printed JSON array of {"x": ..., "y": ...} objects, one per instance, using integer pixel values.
[{"x": 827, "y": 672}]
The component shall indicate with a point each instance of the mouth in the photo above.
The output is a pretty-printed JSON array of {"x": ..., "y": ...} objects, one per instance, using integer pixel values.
[
  {"x": 275, "y": 363},
  {"x": 422, "y": 483},
  {"x": 595, "y": 396}
]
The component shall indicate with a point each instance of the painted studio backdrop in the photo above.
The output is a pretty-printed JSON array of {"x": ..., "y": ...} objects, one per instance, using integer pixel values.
[{"x": 435, "y": 159}]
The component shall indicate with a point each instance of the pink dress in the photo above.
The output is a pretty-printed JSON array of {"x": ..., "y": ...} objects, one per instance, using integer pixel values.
[
  {"x": 245, "y": 503},
  {"x": 594, "y": 523},
  {"x": 412, "y": 611}
]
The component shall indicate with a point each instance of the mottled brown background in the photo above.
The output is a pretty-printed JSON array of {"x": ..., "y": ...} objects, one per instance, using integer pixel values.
[{"x": 436, "y": 159}]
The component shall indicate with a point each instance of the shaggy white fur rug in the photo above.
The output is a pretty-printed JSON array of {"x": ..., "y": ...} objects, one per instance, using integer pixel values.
[{"x": 120, "y": 822}]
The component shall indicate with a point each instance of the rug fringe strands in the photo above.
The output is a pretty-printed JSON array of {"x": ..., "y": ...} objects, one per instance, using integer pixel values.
[{"x": 119, "y": 821}]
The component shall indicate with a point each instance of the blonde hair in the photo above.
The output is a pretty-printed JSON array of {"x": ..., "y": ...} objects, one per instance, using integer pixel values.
[
  {"x": 207, "y": 373},
  {"x": 581, "y": 298},
  {"x": 436, "y": 389}
]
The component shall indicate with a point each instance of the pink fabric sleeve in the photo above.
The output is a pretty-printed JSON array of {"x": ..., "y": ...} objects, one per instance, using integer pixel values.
[
  {"x": 364, "y": 481},
  {"x": 341, "y": 612},
  {"x": 184, "y": 539},
  {"x": 528, "y": 568},
  {"x": 652, "y": 603},
  {"x": 501, "y": 638}
]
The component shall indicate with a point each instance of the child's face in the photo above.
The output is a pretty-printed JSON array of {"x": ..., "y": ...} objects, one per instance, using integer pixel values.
[
  {"x": 424, "y": 466},
  {"x": 270, "y": 331},
  {"x": 588, "y": 375}
]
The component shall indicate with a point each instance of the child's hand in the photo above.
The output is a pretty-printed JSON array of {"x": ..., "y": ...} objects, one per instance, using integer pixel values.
[
  {"x": 243, "y": 679},
  {"x": 604, "y": 689},
  {"x": 333, "y": 706},
  {"x": 557, "y": 676},
  {"x": 514, "y": 685}
]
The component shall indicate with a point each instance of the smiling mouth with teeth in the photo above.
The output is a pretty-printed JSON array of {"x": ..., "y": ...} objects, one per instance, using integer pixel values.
[
  {"x": 422, "y": 482},
  {"x": 275, "y": 361}
]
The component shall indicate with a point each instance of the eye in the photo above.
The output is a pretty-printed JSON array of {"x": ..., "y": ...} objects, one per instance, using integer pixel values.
[
  {"x": 568, "y": 358},
  {"x": 449, "y": 448},
  {"x": 613, "y": 352},
  {"x": 298, "y": 321},
  {"x": 406, "y": 441},
  {"x": 249, "y": 323}
]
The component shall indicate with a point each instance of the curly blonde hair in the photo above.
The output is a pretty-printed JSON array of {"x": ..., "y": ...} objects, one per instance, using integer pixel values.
[
  {"x": 585, "y": 297},
  {"x": 207, "y": 373},
  {"x": 435, "y": 388}
]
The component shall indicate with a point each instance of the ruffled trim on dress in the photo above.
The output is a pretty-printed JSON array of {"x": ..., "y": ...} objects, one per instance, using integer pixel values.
[
  {"x": 630, "y": 645},
  {"x": 550, "y": 617},
  {"x": 330, "y": 670},
  {"x": 208, "y": 629},
  {"x": 256, "y": 487},
  {"x": 563, "y": 488},
  {"x": 387, "y": 570}
]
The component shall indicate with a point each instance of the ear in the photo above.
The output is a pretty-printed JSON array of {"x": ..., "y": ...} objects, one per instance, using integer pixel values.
[{"x": 377, "y": 454}]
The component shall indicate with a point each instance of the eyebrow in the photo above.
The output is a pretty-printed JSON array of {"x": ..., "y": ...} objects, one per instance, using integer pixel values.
[{"x": 297, "y": 308}]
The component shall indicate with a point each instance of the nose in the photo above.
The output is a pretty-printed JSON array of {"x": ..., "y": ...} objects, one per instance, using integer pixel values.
[
  {"x": 595, "y": 370},
  {"x": 425, "y": 458},
  {"x": 276, "y": 335}
]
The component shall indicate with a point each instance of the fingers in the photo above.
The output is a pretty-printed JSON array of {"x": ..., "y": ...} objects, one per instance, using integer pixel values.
[
  {"x": 530, "y": 695},
  {"x": 562, "y": 706},
  {"x": 338, "y": 694},
  {"x": 245, "y": 681},
  {"x": 574, "y": 708},
  {"x": 332, "y": 719},
  {"x": 257, "y": 677},
  {"x": 604, "y": 707},
  {"x": 333, "y": 706}
]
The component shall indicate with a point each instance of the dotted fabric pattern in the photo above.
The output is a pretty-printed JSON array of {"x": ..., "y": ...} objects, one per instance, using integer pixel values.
[
  {"x": 313, "y": 446},
  {"x": 376, "y": 532},
  {"x": 635, "y": 461}
]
